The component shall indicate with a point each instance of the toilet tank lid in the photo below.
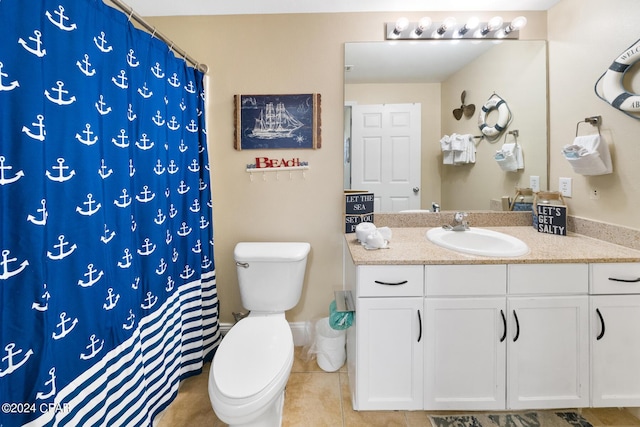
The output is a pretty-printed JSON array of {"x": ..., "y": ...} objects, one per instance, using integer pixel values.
[{"x": 271, "y": 251}]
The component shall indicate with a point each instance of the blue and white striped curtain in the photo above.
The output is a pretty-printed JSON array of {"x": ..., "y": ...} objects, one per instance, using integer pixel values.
[{"x": 107, "y": 279}]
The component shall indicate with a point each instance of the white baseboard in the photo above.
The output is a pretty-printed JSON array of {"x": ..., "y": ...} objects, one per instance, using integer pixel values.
[{"x": 298, "y": 329}]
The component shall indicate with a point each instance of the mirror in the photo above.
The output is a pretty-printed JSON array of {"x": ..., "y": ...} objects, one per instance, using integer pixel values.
[{"x": 433, "y": 75}]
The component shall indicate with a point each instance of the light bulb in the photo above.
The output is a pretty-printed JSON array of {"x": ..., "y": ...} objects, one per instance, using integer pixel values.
[
  {"x": 423, "y": 24},
  {"x": 401, "y": 25},
  {"x": 516, "y": 24}
]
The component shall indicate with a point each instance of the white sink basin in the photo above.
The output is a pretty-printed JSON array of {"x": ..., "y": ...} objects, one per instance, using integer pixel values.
[{"x": 479, "y": 241}]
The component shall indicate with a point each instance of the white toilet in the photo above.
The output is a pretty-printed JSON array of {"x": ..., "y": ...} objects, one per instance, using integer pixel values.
[{"x": 252, "y": 364}]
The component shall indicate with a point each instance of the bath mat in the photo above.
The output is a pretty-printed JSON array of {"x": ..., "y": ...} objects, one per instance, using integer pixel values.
[{"x": 512, "y": 419}]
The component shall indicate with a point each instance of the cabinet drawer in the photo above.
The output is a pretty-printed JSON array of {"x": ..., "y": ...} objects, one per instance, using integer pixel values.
[
  {"x": 390, "y": 280},
  {"x": 615, "y": 278},
  {"x": 466, "y": 280},
  {"x": 548, "y": 279}
]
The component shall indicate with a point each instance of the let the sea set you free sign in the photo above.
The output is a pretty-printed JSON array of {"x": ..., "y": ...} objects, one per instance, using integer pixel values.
[
  {"x": 358, "y": 207},
  {"x": 552, "y": 219}
]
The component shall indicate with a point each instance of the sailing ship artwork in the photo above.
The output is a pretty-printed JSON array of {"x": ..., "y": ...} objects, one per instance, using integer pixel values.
[{"x": 277, "y": 121}]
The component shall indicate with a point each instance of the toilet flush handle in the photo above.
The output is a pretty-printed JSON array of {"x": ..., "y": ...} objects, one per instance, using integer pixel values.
[{"x": 242, "y": 264}]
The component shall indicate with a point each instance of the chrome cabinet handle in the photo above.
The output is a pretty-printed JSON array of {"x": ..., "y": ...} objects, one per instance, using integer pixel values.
[{"x": 242, "y": 264}]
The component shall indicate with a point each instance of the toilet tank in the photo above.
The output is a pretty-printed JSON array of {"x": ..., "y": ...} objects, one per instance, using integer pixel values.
[{"x": 271, "y": 274}]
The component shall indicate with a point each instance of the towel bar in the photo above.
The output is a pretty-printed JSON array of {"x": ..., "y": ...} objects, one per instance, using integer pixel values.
[{"x": 593, "y": 121}]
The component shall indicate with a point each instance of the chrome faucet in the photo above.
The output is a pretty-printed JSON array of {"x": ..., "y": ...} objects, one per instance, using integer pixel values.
[
  {"x": 435, "y": 207},
  {"x": 459, "y": 222}
]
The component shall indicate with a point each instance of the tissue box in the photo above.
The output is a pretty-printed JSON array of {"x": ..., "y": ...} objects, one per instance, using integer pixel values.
[{"x": 358, "y": 207}]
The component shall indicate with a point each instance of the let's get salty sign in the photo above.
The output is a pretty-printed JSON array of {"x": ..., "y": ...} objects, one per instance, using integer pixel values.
[{"x": 552, "y": 219}]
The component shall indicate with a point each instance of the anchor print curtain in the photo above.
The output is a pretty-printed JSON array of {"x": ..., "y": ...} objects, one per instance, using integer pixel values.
[{"x": 107, "y": 281}]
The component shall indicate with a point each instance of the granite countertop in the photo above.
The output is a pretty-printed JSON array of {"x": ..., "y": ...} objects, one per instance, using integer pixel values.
[{"x": 410, "y": 246}]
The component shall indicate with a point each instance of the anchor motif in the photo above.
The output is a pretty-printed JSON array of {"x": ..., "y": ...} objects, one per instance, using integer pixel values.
[
  {"x": 160, "y": 218},
  {"x": 112, "y": 299},
  {"x": 100, "y": 106},
  {"x": 90, "y": 279},
  {"x": 167, "y": 192},
  {"x": 90, "y": 209},
  {"x": 144, "y": 91},
  {"x": 150, "y": 300},
  {"x": 173, "y": 123},
  {"x": 157, "y": 119},
  {"x": 185, "y": 230},
  {"x": 166, "y": 100},
  {"x": 173, "y": 80},
  {"x": 147, "y": 247},
  {"x": 159, "y": 169},
  {"x": 104, "y": 174},
  {"x": 130, "y": 114},
  {"x": 206, "y": 262},
  {"x": 187, "y": 273},
  {"x": 142, "y": 144},
  {"x": 43, "y": 214},
  {"x": 121, "y": 140},
  {"x": 40, "y": 125},
  {"x": 92, "y": 346},
  {"x": 60, "y": 246},
  {"x": 87, "y": 132},
  {"x": 174, "y": 256},
  {"x": 61, "y": 177},
  {"x": 204, "y": 223},
  {"x": 3, "y": 168},
  {"x": 145, "y": 195},
  {"x": 63, "y": 326},
  {"x": 127, "y": 257},
  {"x": 102, "y": 45},
  {"x": 37, "y": 51},
  {"x": 85, "y": 65},
  {"x": 194, "y": 166},
  {"x": 131, "y": 59},
  {"x": 61, "y": 22},
  {"x": 45, "y": 297},
  {"x": 195, "y": 206},
  {"x": 203, "y": 185},
  {"x": 40, "y": 395},
  {"x": 131, "y": 319},
  {"x": 132, "y": 170},
  {"x": 61, "y": 92},
  {"x": 197, "y": 249},
  {"x": 162, "y": 267},
  {"x": 157, "y": 71},
  {"x": 169, "y": 237},
  {"x": 193, "y": 127},
  {"x": 5, "y": 265},
  {"x": 121, "y": 80},
  {"x": 126, "y": 199},
  {"x": 183, "y": 188},
  {"x": 106, "y": 238},
  {"x": 170, "y": 284},
  {"x": 11, "y": 367},
  {"x": 183, "y": 147},
  {"x": 134, "y": 225},
  {"x": 183, "y": 106},
  {"x": 172, "y": 211},
  {"x": 14, "y": 84},
  {"x": 172, "y": 168},
  {"x": 190, "y": 88},
  {"x": 136, "y": 283}
]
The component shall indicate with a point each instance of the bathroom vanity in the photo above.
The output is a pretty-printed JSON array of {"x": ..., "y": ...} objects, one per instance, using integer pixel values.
[{"x": 436, "y": 329}]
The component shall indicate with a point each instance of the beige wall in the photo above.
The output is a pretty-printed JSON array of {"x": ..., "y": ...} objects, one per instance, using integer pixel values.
[{"x": 304, "y": 53}]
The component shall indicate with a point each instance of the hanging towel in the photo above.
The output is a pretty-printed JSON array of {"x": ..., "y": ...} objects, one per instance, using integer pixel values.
[
  {"x": 588, "y": 155},
  {"x": 509, "y": 157},
  {"x": 447, "y": 154}
]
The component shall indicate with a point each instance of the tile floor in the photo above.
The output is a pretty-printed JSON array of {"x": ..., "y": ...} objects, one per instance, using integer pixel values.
[{"x": 317, "y": 399}]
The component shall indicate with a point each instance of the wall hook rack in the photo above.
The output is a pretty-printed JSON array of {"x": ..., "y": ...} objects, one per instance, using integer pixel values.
[{"x": 290, "y": 169}]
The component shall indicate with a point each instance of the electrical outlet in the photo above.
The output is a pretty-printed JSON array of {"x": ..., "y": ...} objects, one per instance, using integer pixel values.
[
  {"x": 564, "y": 184},
  {"x": 594, "y": 194},
  {"x": 534, "y": 183}
]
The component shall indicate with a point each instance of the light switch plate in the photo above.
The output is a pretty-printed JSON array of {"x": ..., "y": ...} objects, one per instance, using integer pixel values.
[{"x": 564, "y": 184}]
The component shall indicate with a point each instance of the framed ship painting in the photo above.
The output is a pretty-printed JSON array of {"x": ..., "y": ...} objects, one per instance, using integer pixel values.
[{"x": 277, "y": 121}]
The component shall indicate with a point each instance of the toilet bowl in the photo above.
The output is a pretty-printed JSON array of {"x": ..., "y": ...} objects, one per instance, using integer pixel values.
[{"x": 251, "y": 366}]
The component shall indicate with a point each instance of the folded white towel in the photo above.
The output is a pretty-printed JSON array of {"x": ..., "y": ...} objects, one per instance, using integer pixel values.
[
  {"x": 458, "y": 142},
  {"x": 509, "y": 157},
  {"x": 589, "y": 155}
]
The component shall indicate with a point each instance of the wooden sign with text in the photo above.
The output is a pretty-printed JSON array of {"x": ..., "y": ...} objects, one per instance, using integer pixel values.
[{"x": 552, "y": 219}]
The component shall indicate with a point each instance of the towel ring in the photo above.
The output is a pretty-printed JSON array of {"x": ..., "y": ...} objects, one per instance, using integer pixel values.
[{"x": 593, "y": 121}]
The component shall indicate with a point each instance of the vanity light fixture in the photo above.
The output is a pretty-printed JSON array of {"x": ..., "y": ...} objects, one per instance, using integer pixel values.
[{"x": 403, "y": 29}]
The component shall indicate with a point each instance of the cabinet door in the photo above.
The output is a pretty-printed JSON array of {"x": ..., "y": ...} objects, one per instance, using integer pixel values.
[
  {"x": 615, "y": 345},
  {"x": 465, "y": 352},
  {"x": 548, "y": 352},
  {"x": 389, "y": 354}
]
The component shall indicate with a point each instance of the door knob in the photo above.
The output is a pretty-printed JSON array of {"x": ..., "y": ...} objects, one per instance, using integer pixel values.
[{"x": 416, "y": 190}]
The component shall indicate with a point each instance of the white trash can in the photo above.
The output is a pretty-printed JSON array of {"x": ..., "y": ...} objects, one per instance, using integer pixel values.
[{"x": 330, "y": 346}]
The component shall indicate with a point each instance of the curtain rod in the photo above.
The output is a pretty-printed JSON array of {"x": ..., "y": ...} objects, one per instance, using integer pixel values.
[{"x": 155, "y": 33}]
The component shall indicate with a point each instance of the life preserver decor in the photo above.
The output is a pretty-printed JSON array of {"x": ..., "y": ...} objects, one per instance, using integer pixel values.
[
  {"x": 613, "y": 90},
  {"x": 504, "y": 116}
]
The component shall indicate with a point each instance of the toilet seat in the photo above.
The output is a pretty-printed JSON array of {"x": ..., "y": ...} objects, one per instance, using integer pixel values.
[{"x": 255, "y": 353}]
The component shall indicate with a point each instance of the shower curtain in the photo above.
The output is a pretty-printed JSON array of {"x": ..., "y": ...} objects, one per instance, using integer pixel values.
[{"x": 107, "y": 279}]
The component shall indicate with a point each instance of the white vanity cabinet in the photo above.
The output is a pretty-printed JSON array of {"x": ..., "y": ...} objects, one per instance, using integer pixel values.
[
  {"x": 385, "y": 344},
  {"x": 615, "y": 334}
]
